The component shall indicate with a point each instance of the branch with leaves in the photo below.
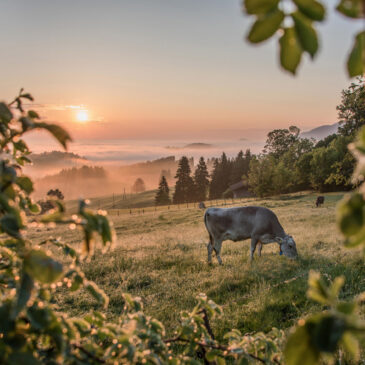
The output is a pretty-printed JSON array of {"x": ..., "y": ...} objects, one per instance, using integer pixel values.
[{"x": 295, "y": 22}]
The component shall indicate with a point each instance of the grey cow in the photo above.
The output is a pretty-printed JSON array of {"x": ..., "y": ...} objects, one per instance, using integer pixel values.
[{"x": 238, "y": 224}]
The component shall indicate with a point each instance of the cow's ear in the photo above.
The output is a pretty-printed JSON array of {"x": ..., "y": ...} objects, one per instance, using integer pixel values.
[{"x": 279, "y": 239}]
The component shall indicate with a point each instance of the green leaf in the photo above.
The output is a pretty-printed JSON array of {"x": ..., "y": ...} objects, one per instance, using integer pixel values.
[
  {"x": 307, "y": 35},
  {"x": 10, "y": 225},
  {"x": 356, "y": 60},
  {"x": 40, "y": 318},
  {"x": 351, "y": 345},
  {"x": 299, "y": 349},
  {"x": 290, "y": 50},
  {"x": 58, "y": 132},
  {"x": 265, "y": 26},
  {"x": 351, "y": 8},
  {"x": 82, "y": 326},
  {"x": 24, "y": 293},
  {"x": 27, "y": 96},
  {"x": 77, "y": 281},
  {"x": 26, "y": 123},
  {"x": 336, "y": 286},
  {"x": 328, "y": 332},
  {"x": 260, "y": 6},
  {"x": 97, "y": 293},
  {"x": 24, "y": 358},
  {"x": 25, "y": 184},
  {"x": 5, "y": 114},
  {"x": 42, "y": 267},
  {"x": 346, "y": 307},
  {"x": 317, "y": 289},
  {"x": 311, "y": 8},
  {"x": 33, "y": 114},
  {"x": 350, "y": 214}
]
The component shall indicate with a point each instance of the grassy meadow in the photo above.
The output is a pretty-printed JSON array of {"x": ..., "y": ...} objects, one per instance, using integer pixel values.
[{"x": 162, "y": 257}]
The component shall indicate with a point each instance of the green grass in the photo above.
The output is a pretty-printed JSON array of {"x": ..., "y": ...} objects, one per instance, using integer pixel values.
[{"x": 162, "y": 257}]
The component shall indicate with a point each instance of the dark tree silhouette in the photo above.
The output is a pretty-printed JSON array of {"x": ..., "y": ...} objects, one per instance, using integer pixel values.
[
  {"x": 201, "y": 180},
  {"x": 162, "y": 196},
  {"x": 220, "y": 177},
  {"x": 184, "y": 188}
]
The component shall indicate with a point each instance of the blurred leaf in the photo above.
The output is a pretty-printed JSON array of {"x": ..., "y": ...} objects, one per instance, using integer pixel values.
[
  {"x": 356, "y": 60},
  {"x": 25, "y": 184},
  {"x": 82, "y": 326},
  {"x": 351, "y": 8},
  {"x": 299, "y": 349},
  {"x": 42, "y": 267},
  {"x": 306, "y": 33},
  {"x": 77, "y": 281},
  {"x": 40, "y": 318},
  {"x": 350, "y": 214},
  {"x": 20, "y": 146},
  {"x": 33, "y": 114},
  {"x": 58, "y": 132},
  {"x": 317, "y": 288},
  {"x": 26, "y": 123},
  {"x": 23, "y": 358},
  {"x": 10, "y": 225},
  {"x": 311, "y": 8},
  {"x": 24, "y": 293},
  {"x": 260, "y": 6},
  {"x": 290, "y": 50},
  {"x": 351, "y": 345},
  {"x": 27, "y": 96},
  {"x": 265, "y": 26},
  {"x": 5, "y": 114},
  {"x": 328, "y": 332},
  {"x": 346, "y": 307},
  {"x": 97, "y": 293},
  {"x": 336, "y": 286}
]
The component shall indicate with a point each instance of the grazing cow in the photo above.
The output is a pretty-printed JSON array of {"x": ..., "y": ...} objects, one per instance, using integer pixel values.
[
  {"x": 319, "y": 201},
  {"x": 202, "y": 205},
  {"x": 237, "y": 224}
]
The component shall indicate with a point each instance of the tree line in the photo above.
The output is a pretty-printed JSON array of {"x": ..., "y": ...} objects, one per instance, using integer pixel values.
[{"x": 288, "y": 162}]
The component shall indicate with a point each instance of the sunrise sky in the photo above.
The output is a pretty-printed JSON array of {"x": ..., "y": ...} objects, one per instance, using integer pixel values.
[{"x": 118, "y": 69}]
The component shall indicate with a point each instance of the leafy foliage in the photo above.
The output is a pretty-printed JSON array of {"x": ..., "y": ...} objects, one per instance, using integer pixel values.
[{"x": 300, "y": 35}]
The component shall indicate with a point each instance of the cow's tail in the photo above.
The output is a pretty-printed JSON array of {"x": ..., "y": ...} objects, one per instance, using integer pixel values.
[{"x": 206, "y": 226}]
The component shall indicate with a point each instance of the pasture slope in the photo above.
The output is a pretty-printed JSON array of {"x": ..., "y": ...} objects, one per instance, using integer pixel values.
[{"x": 162, "y": 257}]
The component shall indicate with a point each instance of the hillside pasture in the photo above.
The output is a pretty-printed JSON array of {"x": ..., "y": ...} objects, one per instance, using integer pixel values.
[{"x": 162, "y": 257}]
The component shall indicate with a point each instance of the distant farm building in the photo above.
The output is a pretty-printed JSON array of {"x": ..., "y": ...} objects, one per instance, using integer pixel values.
[{"x": 240, "y": 190}]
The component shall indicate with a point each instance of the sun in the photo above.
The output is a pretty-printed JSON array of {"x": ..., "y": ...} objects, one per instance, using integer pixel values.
[{"x": 82, "y": 116}]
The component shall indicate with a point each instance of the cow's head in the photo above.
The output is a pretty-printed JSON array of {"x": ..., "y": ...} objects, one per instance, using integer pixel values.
[{"x": 288, "y": 246}]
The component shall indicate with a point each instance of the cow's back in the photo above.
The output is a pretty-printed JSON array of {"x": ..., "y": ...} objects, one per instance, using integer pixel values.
[{"x": 240, "y": 223}]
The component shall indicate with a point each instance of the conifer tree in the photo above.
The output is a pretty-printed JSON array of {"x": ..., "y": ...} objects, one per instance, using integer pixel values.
[
  {"x": 238, "y": 167},
  {"x": 201, "y": 180},
  {"x": 214, "y": 182},
  {"x": 184, "y": 188},
  {"x": 220, "y": 177},
  {"x": 163, "y": 193}
]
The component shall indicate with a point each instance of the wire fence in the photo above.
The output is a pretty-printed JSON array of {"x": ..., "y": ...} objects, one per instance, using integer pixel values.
[{"x": 177, "y": 207}]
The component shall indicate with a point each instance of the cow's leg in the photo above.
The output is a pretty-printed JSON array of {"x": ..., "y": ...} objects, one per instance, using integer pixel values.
[
  {"x": 253, "y": 247},
  {"x": 217, "y": 249},
  {"x": 259, "y": 248},
  {"x": 210, "y": 250}
]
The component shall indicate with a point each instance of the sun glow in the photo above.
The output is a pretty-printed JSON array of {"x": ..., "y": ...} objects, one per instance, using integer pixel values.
[{"x": 82, "y": 116}]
